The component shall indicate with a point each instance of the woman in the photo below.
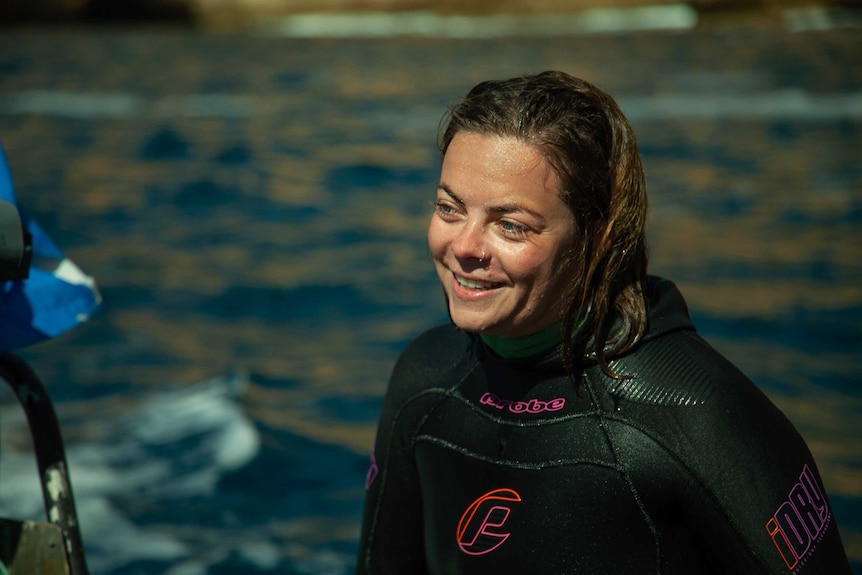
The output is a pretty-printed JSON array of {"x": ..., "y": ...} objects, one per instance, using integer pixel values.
[{"x": 570, "y": 420}]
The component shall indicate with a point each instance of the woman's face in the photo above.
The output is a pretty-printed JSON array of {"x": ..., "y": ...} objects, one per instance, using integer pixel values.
[{"x": 499, "y": 236}]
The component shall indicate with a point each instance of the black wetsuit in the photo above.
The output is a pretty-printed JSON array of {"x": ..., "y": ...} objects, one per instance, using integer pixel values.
[{"x": 490, "y": 466}]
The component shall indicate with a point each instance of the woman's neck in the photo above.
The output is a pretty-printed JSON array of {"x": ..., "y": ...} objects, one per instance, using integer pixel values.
[{"x": 524, "y": 345}]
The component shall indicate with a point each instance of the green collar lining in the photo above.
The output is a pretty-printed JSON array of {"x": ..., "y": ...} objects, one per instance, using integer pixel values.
[{"x": 524, "y": 345}]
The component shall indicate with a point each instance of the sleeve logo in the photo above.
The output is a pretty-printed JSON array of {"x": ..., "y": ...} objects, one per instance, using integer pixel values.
[
  {"x": 800, "y": 521},
  {"x": 480, "y": 528},
  {"x": 371, "y": 474}
]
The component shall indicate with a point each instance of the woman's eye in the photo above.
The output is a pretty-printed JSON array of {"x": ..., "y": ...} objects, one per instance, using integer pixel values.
[
  {"x": 513, "y": 229},
  {"x": 445, "y": 209}
]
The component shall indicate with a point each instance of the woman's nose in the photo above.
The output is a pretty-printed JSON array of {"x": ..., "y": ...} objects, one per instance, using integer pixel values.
[{"x": 470, "y": 242}]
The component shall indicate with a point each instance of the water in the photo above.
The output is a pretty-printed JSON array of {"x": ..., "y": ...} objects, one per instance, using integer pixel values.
[{"x": 253, "y": 210}]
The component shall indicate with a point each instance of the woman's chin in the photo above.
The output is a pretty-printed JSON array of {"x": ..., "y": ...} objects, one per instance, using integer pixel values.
[{"x": 470, "y": 322}]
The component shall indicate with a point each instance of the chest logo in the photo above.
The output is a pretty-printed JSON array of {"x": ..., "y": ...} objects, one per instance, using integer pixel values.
[
  {"x": 480, "y": 529},
  {"x": 531, "y": 406}
]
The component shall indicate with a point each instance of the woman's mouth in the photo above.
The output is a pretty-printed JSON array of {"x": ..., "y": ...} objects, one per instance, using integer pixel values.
[{"x": 475, "y": 284}]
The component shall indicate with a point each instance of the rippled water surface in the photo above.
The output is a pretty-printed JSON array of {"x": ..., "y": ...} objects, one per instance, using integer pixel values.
[{"x": 254, "y": 209}]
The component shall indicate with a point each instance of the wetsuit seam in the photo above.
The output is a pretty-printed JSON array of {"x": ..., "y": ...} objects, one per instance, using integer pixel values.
[
  {"x": 601, "y": 418},
  {"x": 384, "y": 475},
  {"x": 512, "y": 463},
  {"x": 448, "y": 392},
  {"x": 444, "y": 393},
  {"x": 695, "y": 477}
]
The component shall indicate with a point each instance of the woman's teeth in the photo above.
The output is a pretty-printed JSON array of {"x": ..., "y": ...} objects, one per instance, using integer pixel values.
[{"x": 473, "y": 284}]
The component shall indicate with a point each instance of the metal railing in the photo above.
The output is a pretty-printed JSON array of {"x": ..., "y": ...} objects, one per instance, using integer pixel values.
[{"x": 50, "y": 457}]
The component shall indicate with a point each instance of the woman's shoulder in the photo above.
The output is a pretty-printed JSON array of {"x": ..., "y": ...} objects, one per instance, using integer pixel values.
[
  {"x": 686, "y": 412},
  {"x": 681, "y": 369},
  {"x": 434, "y": 358},
  {"x": 441, "y": 347},
  {"x": 698, "y": 405}
]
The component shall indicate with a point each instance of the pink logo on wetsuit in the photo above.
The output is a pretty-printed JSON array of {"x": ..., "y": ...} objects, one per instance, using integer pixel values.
[
  {"x": 800, "y": 522},
  {"x": 479, "y": 528},
  {"x": 371, "y": 474},
  {"x": 531, "y": 406}
]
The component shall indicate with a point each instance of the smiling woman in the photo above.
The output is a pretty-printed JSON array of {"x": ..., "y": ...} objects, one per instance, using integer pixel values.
[
  {"x": 500, "y": 236},
  {"x": 570, "y": 419}
]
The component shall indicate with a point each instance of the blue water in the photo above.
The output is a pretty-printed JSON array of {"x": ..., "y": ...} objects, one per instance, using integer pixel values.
[{"x": 253, "y": 211}]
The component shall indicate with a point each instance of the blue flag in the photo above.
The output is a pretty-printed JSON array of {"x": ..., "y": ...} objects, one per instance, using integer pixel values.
[{"x": 57, "y": 295}]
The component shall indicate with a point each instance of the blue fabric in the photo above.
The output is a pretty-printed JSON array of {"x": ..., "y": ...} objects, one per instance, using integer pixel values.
[{"x": 55, "y": 298}]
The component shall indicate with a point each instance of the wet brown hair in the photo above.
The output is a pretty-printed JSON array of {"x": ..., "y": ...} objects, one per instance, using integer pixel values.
[{"x": 588, "y": 142}]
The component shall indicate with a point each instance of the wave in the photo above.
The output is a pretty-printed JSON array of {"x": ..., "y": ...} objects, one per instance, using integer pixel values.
[{"x": 174, "y": 446}]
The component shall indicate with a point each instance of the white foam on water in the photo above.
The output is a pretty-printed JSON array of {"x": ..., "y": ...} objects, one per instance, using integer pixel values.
[
  {"x": 818, "y": 18},
  {"x": 755, "y": 104},
  {"x": 261, "y": 554},
  {"x": 193, "y": 567},
  {"x": 174, "y": 444},
  {"x": 430, "y": 24},
  {"x": 111, "y": 540},
  {"x": 159, "y": 434},
  {"x": 659, "y": 17},
  {"x": 74, "y": 104},
  {"x": 776, "y": 104},
  {"x": 119, "y": 105}
]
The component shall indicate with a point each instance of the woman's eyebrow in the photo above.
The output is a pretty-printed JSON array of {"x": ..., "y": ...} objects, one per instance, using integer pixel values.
[
  {"x": 513, "y": 208},
  {"x": 501, "y": 209},
  {"x": 450, "y": 193}
]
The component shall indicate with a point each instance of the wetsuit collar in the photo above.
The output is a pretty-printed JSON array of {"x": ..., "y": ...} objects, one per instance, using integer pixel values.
[
  {"x": 525, "y": 345},
  {"x": 667, "y": 312}
]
